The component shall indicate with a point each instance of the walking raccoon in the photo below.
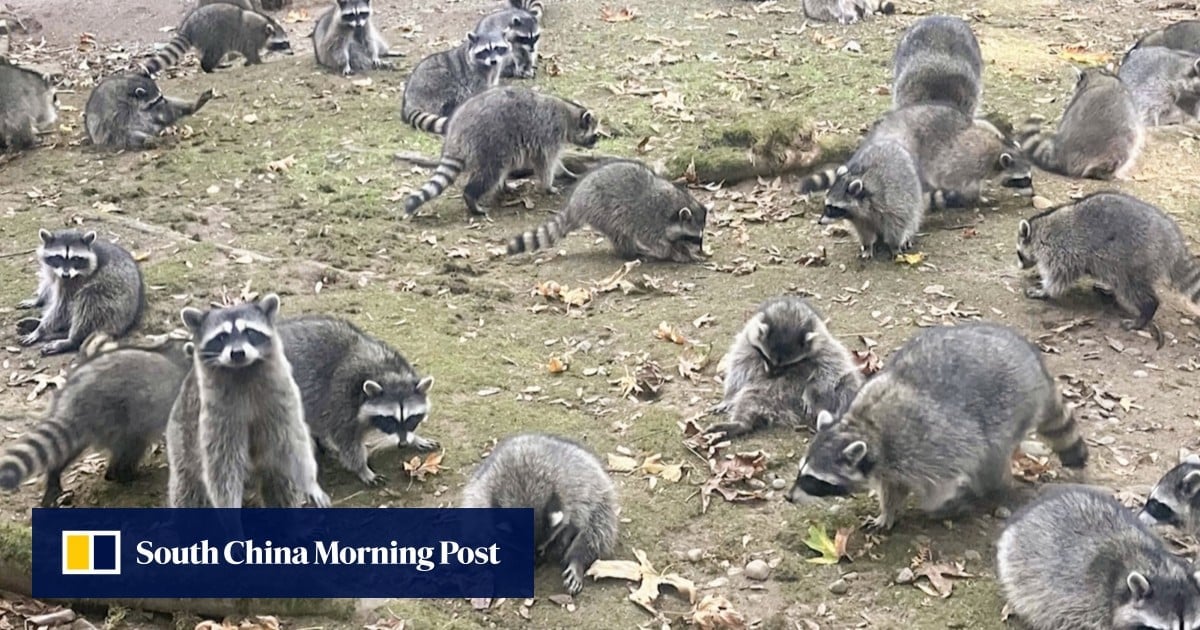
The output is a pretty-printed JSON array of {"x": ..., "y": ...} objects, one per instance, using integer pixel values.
[
  {"x": 444, "y": 80},
  {"x": 1126, "y": 245},
  {"x": 1075, "y": 559},
  {"x": 938, "y": 60},
  {"x": 1175, "y": 499},
  {"x": 784, "y": 367},
  {"x": 217, "y": 29},
  {"x": 345, "y": 39},
  {"x": 1165, "y": 84},
  {"x": 28, "y": 105},
  {"x": 127, "y": 111},
  {"x": 278, "y": 41},
  {"x": 879, "y": 192},
  {"x": 846, "y": 11},
  {"x": 521, "y": 30},
  {"x": 573, "y": 500},
  {"x": 941, "y": 421},
  {"x": 642, "y": 214}
]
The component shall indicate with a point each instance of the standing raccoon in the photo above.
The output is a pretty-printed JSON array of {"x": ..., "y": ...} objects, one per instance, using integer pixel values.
[
  {"x": 879, "y": 192},
  {"x": 1182, "y": 35},
  {"x": 1076, "y": 559},
  {"x": 642, "y": 214},
  {"x": 239, "y": 411},
  {"x": 941, "y": 421},
  {"x": 127, "y": 111},
  {"x": 28, "y": 105},
  {"x": 1175, "y": 499},
  {"x": 1126, "y": 245},
  {"x": 345, "y": 39},
  {"x": 85, "y": 285},
  {"x": 1100, "y": 135},
  {"x": 846, "y": 11},
  {"x": 573, "y": 500},
  {"x": 278, "y": 41},
  {"x": 116, "y": 399},
  {"x": 1165, "y": 84},
  {"x": 522, "y": 31},
  {"x": 784, "y": 367},
  {"x": 444, "y": 80},
  {"x": 214, "y": 30},
  {"x": 499, "y": 131},
  {"x": 351, "y": 382},
  {"x": 938, "y": 60}
]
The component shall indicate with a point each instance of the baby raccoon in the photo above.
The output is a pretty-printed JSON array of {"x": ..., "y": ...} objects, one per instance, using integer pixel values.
[
  {"x": 1100, "y": 135},
  {"x": 520, "y": 28},
  {"x": 879, "y": 192},
  {"x": 1183, "y": 35},
  {"x": 846, "y": 11},
  {"x": 573, "y": 500},
  {"x": 127, "y": 111},
  {"x": 345, "y": 38},
  {"x": 444, "y": 80},
  {"x": 941, "y": 421},
  {"x": 1175, "y": 499},
  {"x": 502, "y": 130},
  {"x": 214, "y": 30},
  {"x": 642, "y": 214},
  {"x": 938, "y": 60},
  {"x": 28, "y": 105},
  {"x": 1165, "y": 84},
  {"x": 785, "y": 367},
  {"x": 1126, "y": 245},
  {"x": 85, "y": 285},
  {"x": 1076, "y": 559}
]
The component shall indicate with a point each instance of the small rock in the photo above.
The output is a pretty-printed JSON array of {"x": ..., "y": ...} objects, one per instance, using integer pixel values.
[
  {"x": 839, "y": 587},
  {"x": 850, "y": 577},
  {"x": 695, "y": 555},
  {"x": 718, "y": 583},
  {"x": 757, "y": 570},
  {"x": 1003, "y": 512},
  {"x": 971, "y": 555},
  {"x": 778, "y": 484},
  {"x": 1140, "y": 374},
  {"x": 905, "y": 576}
]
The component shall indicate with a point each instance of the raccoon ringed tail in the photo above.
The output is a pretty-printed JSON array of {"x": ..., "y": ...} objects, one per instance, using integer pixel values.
[
  {"x": 46, "y": 447},
  {"x": 821, "y": 180},
  {"x": 169, "y": 56},
  {"x": 442, "y": 177},
  {"x": 1042, "y": 150},
  {"x": 1061, "y": 433},
  {"x": 1185, "y": 275},
  {"x": 887, "y": 7},
  {"x": 427, "y": 122},
  {"x": 545, "y": 235}
]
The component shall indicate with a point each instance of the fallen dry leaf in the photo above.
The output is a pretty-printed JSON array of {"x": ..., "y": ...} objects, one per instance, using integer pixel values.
[
  {"x": 912, "y": 258},
  {"x": 937, "y": 573},
  {"x": 716, "y": 613},
  {"x": 867, "y": 361},
  {"x": 557, "y": 365},
  {"x": 621, "y": 463},
  {"x": 832, "y": 550},
  {"x": 624, "y": 14},
  {"x": 418, "y": 469},
  {"x": 281, "y": 165},
  {"x": 651, "y": 580},
  {"x": 1081, "y": 55},
  {"x": 670, "y": 333}
]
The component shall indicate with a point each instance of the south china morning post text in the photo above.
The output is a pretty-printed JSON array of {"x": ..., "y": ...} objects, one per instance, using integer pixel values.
[{"x": 344, "y": 552}]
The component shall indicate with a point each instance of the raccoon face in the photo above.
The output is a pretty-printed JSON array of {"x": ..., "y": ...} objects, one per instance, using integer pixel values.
[
  {"x": 584, "y": 130},
  {"x": 277, "y": 39},
  {"x": 487, "y": 51},
  {"x": 144, "y": 91},
  {"x": 838, "y": 462},
  {"x": 395, "y": 405},
  {"x": 1175, "y": 497},
  {"x": 1016, "y": 171},
  {"x": 1158, "y": 602},
  {"x": 355, "y": 14},
  {"x": 686, "y": 233},
  {"x": 1025, "y": 253},
  {"x": 846, "y": 198},
  {"x": 68, "y": 253},
  {"x": 234, "y": 337},
  {"x": 524, "y": 32},
  {"x": 781, "y": 341}
]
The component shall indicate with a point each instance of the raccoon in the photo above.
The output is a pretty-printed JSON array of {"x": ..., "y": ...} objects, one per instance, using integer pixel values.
[
  {"x": 215, "y": 29},
  {"x": 239, "y": 410},
  {"x": 1100, "y": 135},
  {"x": 879, "y": 192},
  {"x": 1175, "y": 499},
  {"x": 642, "y": 214},
  {"x": 345, "y": 39},
  {"x": 938, "y": 60},
  {"x": 941, "y": 421},
  {"x": 444, "y": 80},
  {"x": 531, "y": 6},
  {"x": 85, "y": 285},
  {"x": 846, "y": 11},
  {"x": 521, "y": 30},
  {"x": 1165, "y": 84},
  {"x": 573, "y": 500},
  {"x": 127, "y": 111},
  {"x": 1126, "y": 245},
  {"x": 351, "y": 382},
  {"x": 1076, "y": 559},
  {"x": 116, "y": 399},
  {"x": 501, "y": 130},
  {"x": 1183, "y": 35},
  {"x": 278, "y": 41},
  {"x": 785, "y": 366},
  {"x": 28, "y": 105}
]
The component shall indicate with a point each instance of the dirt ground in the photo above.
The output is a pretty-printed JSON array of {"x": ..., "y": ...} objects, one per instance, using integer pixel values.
[{"x": 286, "y": 183}]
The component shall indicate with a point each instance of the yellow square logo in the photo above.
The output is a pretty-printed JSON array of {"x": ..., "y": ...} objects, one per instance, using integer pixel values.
[{"x": 91, "y": 553}]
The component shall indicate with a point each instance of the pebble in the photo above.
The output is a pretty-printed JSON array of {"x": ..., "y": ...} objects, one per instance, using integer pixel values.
[
  {"x": 839, "y": 587},
  {"x": 695, "y": 555},
  {"x": 971, "y": 555},
  {"x": 757, "y": 570},
  {"x": 905, "y": 576},
  {"x": 718, "y": 583},
  {"x": 778, "y": 484},
  {"x": 1003, "y": 512},
  {"x": 1140, "y": 374}
]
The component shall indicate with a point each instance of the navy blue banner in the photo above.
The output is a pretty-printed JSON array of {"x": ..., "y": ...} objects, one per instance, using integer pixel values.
[{"x": 350, "y": 552}]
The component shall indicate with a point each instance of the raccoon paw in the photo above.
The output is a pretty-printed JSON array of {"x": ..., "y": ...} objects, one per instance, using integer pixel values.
[
  {"x": 373, "y": 479},
  {"x": 29, "y": 339},
  {"x": 877, "y": 524},
  {"x": 424, "y": 444},
  {"x": 1036, "y": 293},
  {"x": 728, "y": 429},
  {"x": 59, "y": 346},
  {"x": 380, "y": 64},
  {"x": 27, "y": 304},
  {"x": 572, "y": 580},
  {"x": 318, "y": 498},
  {"x": 27, "y": 325}
]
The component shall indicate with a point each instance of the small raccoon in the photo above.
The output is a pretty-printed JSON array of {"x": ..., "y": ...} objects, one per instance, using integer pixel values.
[
  {"x": 345, "y": 39},
  {"x": 940, "y": 421},
  {"x": 238, "y": 411},
  {"x": 1100, "y": 135},
  {"x": 444, "y": 80},
  {"x": 1165, "y": 84},
  {"x": 1175, "y": 499},
  {"x": 785, "y": 367},
  {"x": 1183, "y": 35},
  {"x": 28, "y": 105},
  {"x": 573, "y": 500},
  {"x": 642, "y": 214},
  {"x": 521, "y": 30},
  {"x": 879, "y": 192},
  {"x": 938, "y": 60},
  {"x": 1076, "y": 559},
  {"x": 502, "y": 130},
  {"x": 127, "y": 111},
  {"x": 1126, "y": 245},
  {"x": 846, "y": 11},
  {"x": 351, "y": 382},
  {"x": 532, "y": 6},
  {"x": 216, "y": 29},
  {"x": 85, "y": 285},
  {"x": 279, "y": 39},
  {"x": 116, "y": 399}
]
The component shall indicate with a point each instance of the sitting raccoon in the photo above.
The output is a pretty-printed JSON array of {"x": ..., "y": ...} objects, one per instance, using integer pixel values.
[
  {"x": 520, "y": 28},
  {"x": 642, "y": 214},
  {"x": 940, "y": 422},
  {"x": 345, "y": 39},
  {"x": 938, "y": 61},
  {"x": 1183, "y": 35},
  {"x": 444, "y": 80},
  {"x": 1175, "y": 499},
  {"x": 127, "y": 111},
  {"x": 28, "y": 106},
  {"x": 846, "y": 11},
  {"x": 217, "y": 29},
  {"x": 879, "y": 192},
  {"x": 783, "y": 368},
  {"x": 1165, "y": 84}
]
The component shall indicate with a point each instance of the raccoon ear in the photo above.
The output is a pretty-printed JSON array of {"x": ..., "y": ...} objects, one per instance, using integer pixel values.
[
  {"x": 139, "y": 93},
  {"x": 1023, "y": 230},
  {"x": 424, "y": 384},
  {"x": 192, "y": 318},
  {"x": 855, "y": 452},
  {"x": 1138, "y": 585},
  {"x": 824, "y": 420},
  {"x": 1006, "y": 160},
  {"x": 841, "y": 170},
  {"x": 587, "y": 119},
  {"x": 685, "y": 214},
  {"x": 1191, "y": 483},
  {"x": 89, "y": 238},
  {"x": 472, "y": 37},
  {"x": 1196, "y": 66},
  {"x": 45, "y": 235},
  {"x": 855, "y": 188},
  {"x": 371, "y": 388},
  {"x": 189, "y": 349},
  {"x": 1188, "y": 458},
  {"x": 516, "y": 21},
  {"x": 269, "y": 305},
  {"x": 809, "y": 337}
]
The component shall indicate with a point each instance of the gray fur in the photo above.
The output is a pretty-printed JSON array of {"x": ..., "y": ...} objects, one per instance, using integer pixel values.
[
  {"x": 214, "y": 30},
  {"x": 1100, "y": 136},
  {"x": 239, "y": 411},
  {"x": 127, "y": 111},
  {"x": 573, "y": 500},
  {"x": 502, "y": 130},
  {"x": 278, "y": 40},
  {"x": 784, "y": 367},
  {"x": 1175, "y": 499},
  {"x": 532, "y": 6},
  {"x": 444, "y": 80},
  {"x": 1182, "y": 35},
  {"x": 522, "y": 31},
  {"x": 1075, "y": 559},
  {"x": 28, "y": 105},
  {"x": 1165, "y": 84},
  {"x": 1126, "y": 245},
  {"x": 345, "y": 39},
  {"x": 938, "y": 61},
  {"x": 940, "y": 422},
  {"x": 846, "y": 11},
  {"x": 879, "y": 192},
  {"x": 85, "y": 285},
  {"x": 350, "y": 383},
  {"x": 642, "y": 214},
  {"x": 116, "y": 399}
]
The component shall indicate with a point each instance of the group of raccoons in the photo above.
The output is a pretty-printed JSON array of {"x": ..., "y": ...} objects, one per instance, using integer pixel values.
[{"x": 251, "y": 395}]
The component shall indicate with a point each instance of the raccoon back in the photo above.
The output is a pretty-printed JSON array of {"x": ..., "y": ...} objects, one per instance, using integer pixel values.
[{"x": 938, "y": 60}]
